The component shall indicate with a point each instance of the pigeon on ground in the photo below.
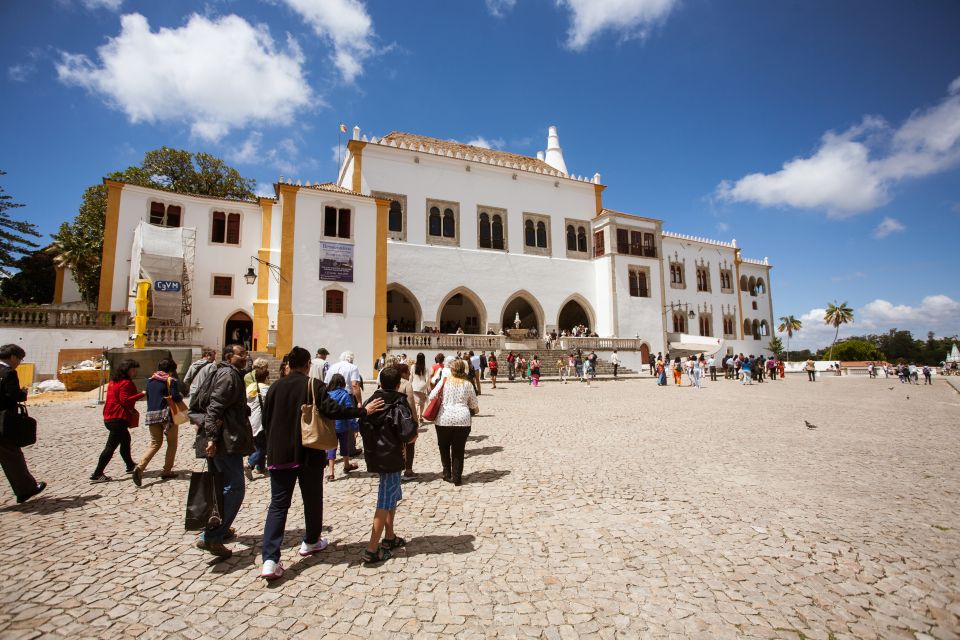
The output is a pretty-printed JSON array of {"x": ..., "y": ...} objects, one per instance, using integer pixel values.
[
  {"x": 809, "y": 424},
  {"x": 890, "y": 389}
]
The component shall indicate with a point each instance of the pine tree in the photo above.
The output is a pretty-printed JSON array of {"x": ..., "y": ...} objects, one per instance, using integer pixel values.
[{"x": 13, "y": 240}]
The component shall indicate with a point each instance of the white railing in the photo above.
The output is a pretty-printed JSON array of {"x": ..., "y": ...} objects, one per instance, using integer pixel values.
[
  {"x": 172, "y": 336},
  {"x": 486, "y": 343},
  {"x": 49, "y": 317}
]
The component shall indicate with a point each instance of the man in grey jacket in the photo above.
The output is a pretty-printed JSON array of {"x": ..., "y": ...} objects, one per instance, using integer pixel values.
[{"x": 229, "y": 438}]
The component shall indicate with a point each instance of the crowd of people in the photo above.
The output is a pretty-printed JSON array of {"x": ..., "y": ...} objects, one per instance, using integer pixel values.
[{"x": 745, "y": 369}]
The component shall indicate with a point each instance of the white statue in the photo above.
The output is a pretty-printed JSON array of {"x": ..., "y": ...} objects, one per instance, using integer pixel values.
[{"x": 516, "y": 320}]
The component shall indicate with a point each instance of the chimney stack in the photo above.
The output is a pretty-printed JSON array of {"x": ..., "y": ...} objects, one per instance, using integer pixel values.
[
  {"x": 554, "y": 156},
  {"x": 356, "y": 133},
  {"x": 540, "y": 156}
]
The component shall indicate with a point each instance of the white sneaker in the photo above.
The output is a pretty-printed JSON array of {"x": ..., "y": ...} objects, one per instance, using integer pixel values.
[
  {"x": 271, "y": 570},
  {"x": 310, "y": 549}
]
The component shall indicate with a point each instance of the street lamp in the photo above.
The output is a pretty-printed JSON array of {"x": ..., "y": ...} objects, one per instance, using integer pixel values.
[{"x": 251, "y": 276}]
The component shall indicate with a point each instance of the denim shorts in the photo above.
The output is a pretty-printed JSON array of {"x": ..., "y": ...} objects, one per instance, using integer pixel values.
[{"x": 389, "y": 493}]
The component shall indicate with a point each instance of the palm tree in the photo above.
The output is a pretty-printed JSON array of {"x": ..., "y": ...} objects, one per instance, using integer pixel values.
[
  {"x": 837, "y": 315},
  {"x": 789, "y": 325}
]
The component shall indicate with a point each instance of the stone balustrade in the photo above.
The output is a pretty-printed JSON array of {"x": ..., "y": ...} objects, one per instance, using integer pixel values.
[
  {"x": 172, "y": 336},
  {"x": 465, "y": 342},
  {"x": 52, "y": 317}
]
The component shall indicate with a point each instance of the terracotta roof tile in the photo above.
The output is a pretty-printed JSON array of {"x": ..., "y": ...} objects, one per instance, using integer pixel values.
[
  {"x": 335, "y": 188},
  {"x": 469, "y": 151}
]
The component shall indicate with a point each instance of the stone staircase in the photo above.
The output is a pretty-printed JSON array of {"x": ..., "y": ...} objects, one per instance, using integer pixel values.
[
  {"x": 548, "y": 363},
  {"x": 273, "y": 366}
]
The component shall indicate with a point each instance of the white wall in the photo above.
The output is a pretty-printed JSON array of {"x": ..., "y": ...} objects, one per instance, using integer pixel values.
[
  {"x": 210, "y": 258},
  {"x": 312, "y": 327},
  {"x": 71, "y": 292},
  {"x": 43, "y": 345}
]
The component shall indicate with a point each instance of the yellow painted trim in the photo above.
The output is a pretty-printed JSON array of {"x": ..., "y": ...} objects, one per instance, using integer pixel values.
[
  {"x": 663, "y": 290},
  {"x": 356, "y": 148},
  {"x": 58, "y": 286},
  {"x": 288, "y": 196},
  {"x": 108, "y": 257},
  {"x": 736, "y": 262},
  {"x": 261, "y": 320},
  {"x": 380, "y": 284},
  {"x": 598, "y": 192}
]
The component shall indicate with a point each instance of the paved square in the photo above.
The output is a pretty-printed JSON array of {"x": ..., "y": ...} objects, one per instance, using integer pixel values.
[{"x": 622, "y": 510}]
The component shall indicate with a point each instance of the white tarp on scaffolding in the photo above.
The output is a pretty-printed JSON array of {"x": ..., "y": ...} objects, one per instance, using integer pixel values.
[
  {"x": 685, "y": 344},
  {"x": 162, "y": 255}
]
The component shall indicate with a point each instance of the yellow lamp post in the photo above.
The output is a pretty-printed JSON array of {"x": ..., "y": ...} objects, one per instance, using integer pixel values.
[{"x": 140, "y": 319}]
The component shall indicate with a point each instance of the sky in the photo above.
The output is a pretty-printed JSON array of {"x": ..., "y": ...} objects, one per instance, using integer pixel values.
[{"x": 823, "y": 135}]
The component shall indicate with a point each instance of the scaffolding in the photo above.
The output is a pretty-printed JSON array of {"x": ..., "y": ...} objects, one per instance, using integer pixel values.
[{"x": 165, "y": 256}]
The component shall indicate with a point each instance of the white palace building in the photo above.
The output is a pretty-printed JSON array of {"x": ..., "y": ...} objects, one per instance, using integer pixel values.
[{"x": 422, "y": 233}]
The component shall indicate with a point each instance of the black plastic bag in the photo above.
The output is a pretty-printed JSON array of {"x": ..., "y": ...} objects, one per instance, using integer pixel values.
[{"x": 204, "y": 501}]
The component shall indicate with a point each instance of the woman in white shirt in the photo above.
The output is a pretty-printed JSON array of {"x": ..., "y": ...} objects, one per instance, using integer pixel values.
[{"x": 457, "y": 408}]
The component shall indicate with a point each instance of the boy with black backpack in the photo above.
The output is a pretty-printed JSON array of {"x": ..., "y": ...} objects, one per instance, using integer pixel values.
[{"x": 385, "y": 435}]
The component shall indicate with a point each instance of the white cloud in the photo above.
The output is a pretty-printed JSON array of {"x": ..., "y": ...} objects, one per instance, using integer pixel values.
[
  {"x": 853, "y": 171},
  {"x": 480, "y": 141},
  {"x": 629, "y": 18},
  {"x": 723, "y": 227},
  {"x": 347, "y": 25},
  {"x": 215, "y": 74},
  {"x": 937, "y": 313},
  {"x": 111, "y": 5},
  {"x": 20, "y": 72},
  {"x": 499, "y": 8},
  {"x": 248, "y": 152},
  {"x": 886, "y": 227},
  {"x": 856, "y": 275}
]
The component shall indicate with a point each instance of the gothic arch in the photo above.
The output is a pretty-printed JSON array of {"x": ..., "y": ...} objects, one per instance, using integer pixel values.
[
  {"x": 579, "y": 299},
  {"x": 410, "y": 298},
  {"x": 473, "y": 298},
  {"x": 531, "y": 300}
]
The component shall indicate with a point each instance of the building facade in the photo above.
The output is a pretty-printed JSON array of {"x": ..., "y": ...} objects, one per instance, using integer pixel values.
[{"x": 420, "y": 234}]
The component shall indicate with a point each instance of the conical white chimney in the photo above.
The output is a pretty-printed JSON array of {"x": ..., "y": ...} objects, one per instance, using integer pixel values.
[{"x": 554, "y": 156}]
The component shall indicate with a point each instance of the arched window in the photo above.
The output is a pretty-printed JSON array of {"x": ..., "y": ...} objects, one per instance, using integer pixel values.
[
  {"x": 764, "y": 328},
  {"x": 435, "y": 224},
  {"x": 679, "y": 322},
  {"x": 747, "y": 330},
  {"x": 485, "y": 240},
  {"x": 761, "y": 286},
  {"x": 497, "y": 229},
  {"x": 529, "y": 234},
  {"x": 706, "y": 322},
  {"x": 395, "y": 217},
  {"x": 581, "y": 239},
  {"x": 541, "y": 235},
  {"x": 752, "y": 285},
  {"x": 744, "y": 283},
  {"x": 449, "y": 224},
  {"x": 571, "y": 238},
  {"x": 756, "y": 330}
]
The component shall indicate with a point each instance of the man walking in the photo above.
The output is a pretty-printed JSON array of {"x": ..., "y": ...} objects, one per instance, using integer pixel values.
[
  {"x": 319, "y": 366},
  {"x": 615, "y": 361},
  {"x": 199, "y": 370},
  {"x": 291, "y": 463},
  {"x": 11, "y": 456},
  {"x": 228, "y": 438},
  {"x": 811, "y": 370}
]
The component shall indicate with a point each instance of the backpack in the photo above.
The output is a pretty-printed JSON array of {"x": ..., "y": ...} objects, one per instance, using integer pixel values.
[
  {"x": 194, "y": 369},
  {"x": 200, "y": 400},
  {"x": 399, "y": 416}
]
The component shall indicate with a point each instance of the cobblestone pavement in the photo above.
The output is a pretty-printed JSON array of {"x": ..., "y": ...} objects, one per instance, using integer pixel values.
[{"x": 621, "y": 510}]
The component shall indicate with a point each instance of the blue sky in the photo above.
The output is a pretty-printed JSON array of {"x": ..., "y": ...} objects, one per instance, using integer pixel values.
[{"x": 824, "y": 135}]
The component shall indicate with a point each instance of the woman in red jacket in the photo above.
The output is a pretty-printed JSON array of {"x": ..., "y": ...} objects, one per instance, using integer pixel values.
[{"x": 119, "y": 415}]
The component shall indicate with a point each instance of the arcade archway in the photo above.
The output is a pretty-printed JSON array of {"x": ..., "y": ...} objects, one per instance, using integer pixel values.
[
  {"x": 525, "y": 306},
  {"x": 462, "y": 309},
  {"x": 403, "y": 310},
  {"x": 238, "y": 329},
  {"x": 575, "y": 311}
]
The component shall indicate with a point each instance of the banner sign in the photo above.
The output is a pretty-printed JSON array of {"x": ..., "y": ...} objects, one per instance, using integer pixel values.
[
  {"x": 167, "y": 286},
  {"x": 336, "y": 261}
]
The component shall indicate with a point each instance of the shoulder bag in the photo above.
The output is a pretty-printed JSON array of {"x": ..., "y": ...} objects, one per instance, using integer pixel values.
[
  {"x": 317, "y": 431},
  {"x": 16, "y": 425},
  {"x": 433, "y": 409},
  {"x": 178, "y": 410}
]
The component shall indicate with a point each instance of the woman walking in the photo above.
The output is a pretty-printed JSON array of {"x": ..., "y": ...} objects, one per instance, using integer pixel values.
[
  {"x": 420, "y": 381},
  {"x": 458, "y": 406},
  {"x": 535, "y": 371},
  {"x": 256, "y": 391},
  {"x": 406, "y": 388},
  {"x": 493, "y": 366},
  {"x": 160, "y": 385},
  {"x": 119, "y": 416}
]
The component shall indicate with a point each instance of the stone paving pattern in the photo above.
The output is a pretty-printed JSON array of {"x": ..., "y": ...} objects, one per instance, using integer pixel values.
[{"x": 620, "y": 510}]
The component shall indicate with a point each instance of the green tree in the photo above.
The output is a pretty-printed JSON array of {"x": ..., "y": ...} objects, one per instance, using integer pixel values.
[
  {"x": 776, "y": 346},
  {"x": 79, "y": 244},
  {"x": 34, "y": 283},
  {"x": 789, "y": 325},
  {"x": 13, "y": 233},
  {"x": 837, "y": 316},
  {"x": 856, "y": 349}
]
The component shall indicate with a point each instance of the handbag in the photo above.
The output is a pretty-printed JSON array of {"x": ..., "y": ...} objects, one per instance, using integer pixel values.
[
  {"x": 317, "y": 431},
  {"x": 17, "y": 427},
  {"x": 433, "y": 409},
  {"x": 204, "y": 501},
  {"x": 178, "y": 410}
]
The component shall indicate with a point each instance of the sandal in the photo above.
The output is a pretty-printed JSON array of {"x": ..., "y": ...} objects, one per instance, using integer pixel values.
[
  {"x": 370, "y": 558},
  {"x": 396, "y": 543}
]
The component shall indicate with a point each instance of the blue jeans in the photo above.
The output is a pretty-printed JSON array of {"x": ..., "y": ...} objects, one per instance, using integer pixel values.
[
  {"x": 231, "y": 465},
  {"x": 258, "y": 458}
]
